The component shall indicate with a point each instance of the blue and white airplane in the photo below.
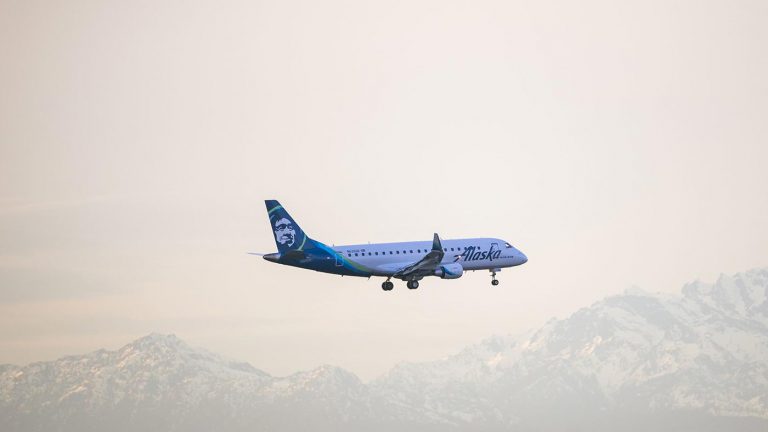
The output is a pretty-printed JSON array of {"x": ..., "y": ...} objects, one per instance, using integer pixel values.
[{"x": 407, "y": 261}]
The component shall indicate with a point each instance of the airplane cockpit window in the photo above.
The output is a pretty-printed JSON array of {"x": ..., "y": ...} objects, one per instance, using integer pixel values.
[{"x": 507, "y": 245}]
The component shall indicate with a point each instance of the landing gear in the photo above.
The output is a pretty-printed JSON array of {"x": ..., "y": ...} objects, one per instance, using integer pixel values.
[
  {"x": 494, "y": 281},
  {"x": 387, "y": 285},
  {"x": 413, "y": 284}
]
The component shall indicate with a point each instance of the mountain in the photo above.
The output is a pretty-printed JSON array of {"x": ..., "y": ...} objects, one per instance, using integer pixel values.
[
  {"x": 159, "y": 383},
  {"x": 636, "y": 361},
  {"x": 694, "y": 360}
]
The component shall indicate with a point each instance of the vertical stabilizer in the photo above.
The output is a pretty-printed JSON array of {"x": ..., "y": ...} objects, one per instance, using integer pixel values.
[{"x": 288, "y": 235}]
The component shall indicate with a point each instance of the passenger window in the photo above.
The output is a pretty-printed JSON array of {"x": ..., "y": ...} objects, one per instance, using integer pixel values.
[
  {"x": 398, "y": 252},
  {"x": 411, "y": 251},
  {"x": 376, "y": 253},
  {"x": 355, "y": 254},
  {"x": 369, "y": 254},
  {"x": 349, "y": 255}
]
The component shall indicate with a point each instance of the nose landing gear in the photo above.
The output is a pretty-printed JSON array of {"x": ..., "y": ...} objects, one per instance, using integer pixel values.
[{"x": 494, "y": 281}]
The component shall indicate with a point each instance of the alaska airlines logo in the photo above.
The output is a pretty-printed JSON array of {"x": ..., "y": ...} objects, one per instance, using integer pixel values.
[
  {"x": 475, "y": 254},
  {"x": 284, "y": 232}
]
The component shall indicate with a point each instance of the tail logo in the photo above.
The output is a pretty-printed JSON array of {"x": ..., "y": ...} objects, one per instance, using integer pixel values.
[{"x": 285, "y": 234}]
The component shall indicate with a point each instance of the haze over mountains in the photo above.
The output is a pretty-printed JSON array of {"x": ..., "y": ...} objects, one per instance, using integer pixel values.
[{"x": 636, "y": 361}]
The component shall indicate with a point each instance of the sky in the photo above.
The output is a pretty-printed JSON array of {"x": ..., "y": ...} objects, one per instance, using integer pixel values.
[{"x": 617, "y": 144}]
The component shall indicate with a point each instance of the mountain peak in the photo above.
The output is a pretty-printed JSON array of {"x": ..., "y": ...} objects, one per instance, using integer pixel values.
[
  {"x": 158, "y": 339},
  {"x": 744, "y": 294},
  {"x": 156, "y": 344}
]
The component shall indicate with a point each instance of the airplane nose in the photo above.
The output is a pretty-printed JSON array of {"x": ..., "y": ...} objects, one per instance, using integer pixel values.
[{"x": 523, "y": 258}]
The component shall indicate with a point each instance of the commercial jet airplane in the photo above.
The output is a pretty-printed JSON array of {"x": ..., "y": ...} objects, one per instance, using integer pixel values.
[{"x": 407, "y": 261}]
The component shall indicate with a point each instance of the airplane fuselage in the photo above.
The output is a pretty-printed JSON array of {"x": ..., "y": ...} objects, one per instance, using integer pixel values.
[{"x": 385, "y": 259}]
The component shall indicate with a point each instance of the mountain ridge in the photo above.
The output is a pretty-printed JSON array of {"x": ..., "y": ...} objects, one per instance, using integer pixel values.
[{"x": 699, "y": 358}]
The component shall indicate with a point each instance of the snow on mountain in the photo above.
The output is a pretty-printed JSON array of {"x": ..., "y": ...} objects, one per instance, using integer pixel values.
[
  {"x": 695, "y": 361},
  {"x": 159, "y": 380},
  {"x": 705, "y": 351}
]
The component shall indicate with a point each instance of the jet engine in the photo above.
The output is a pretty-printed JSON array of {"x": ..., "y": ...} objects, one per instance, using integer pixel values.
[{"x": 449, "y": 271}]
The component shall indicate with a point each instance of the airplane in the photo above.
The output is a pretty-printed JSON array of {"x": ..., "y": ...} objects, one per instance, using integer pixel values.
[{"x": 407, "y": 261}]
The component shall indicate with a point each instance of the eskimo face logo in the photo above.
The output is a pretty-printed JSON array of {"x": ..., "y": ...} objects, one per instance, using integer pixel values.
[{"x": 284, "y": 232}]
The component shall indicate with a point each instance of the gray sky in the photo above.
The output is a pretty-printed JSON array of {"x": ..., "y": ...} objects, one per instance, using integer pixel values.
[{"x": 615, "y": 143}]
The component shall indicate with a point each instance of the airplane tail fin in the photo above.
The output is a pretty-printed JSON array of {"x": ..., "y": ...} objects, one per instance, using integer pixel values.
[{"x": 288, "y": 235}]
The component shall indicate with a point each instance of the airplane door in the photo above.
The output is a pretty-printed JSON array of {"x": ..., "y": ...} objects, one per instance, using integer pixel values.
[
  {"x": 494, "y": 246},
  {"x": 339, "y": 260}
]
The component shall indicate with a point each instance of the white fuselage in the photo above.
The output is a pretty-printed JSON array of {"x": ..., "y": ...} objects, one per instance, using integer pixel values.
[{"x": 472, "y": 254}]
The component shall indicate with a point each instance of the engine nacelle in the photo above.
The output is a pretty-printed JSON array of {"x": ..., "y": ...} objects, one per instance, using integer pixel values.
[{"x": 449, "y": 271}]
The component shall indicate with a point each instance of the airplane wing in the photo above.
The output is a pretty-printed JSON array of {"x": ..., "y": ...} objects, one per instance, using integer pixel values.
[{"x": 425, "y": 266}]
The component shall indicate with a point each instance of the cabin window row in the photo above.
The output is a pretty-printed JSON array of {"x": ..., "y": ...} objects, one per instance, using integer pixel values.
[{"x": 407, "y": 251}]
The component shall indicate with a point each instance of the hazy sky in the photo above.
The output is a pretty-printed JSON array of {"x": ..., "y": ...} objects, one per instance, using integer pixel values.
[{"x": 615, "y": 143}]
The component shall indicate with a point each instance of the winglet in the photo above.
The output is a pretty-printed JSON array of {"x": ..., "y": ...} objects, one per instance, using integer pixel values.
[{"x": 436, "y": 245}]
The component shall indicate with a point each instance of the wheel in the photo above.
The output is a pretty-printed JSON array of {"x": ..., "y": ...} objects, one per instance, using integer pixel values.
[
  {"x": 412, "y": 284},
  {"x": 494, "y": 282},
  {"x": 387, "y": 285}
]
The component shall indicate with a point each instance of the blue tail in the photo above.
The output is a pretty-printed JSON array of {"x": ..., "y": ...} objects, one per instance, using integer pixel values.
[{"x": 288, "y": 235}]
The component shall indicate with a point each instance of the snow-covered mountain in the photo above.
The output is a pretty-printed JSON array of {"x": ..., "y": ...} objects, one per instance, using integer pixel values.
[
  {"x": 636, "y": 361},
  {"x": 704, "y": 354}
]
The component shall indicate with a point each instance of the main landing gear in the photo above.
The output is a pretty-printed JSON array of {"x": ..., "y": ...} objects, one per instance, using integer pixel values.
[
  {"x": 387, "y": 285},
  {"x": 494, "y": 281}
]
